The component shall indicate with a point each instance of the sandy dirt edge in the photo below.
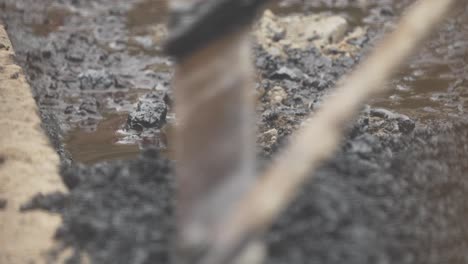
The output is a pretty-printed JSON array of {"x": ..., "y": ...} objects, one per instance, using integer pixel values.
[{"x": 28, "y": 165}]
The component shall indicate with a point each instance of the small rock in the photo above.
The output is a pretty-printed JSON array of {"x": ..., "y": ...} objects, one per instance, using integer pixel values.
[
  {"x": 405, "y": 124},
  {"x": 3, "y": 46},
  {"x": 145, "y": 41},
  {"x": 277, "y": 95},
  {"x": 270, "y": 137},
  {"x": 287, "y": 73},
  {"x": 90, "y": 106},
  {"x": 149, "y": 113},
  {"x": 15, "y": 75},
  {"x": 69, "y": 109},
  {"x": 96, "y": 79},
  {"x": 358, "y": 41},
  {"x": 75, "y": 56},
  {"x": 46, "y": 54},
  {"x": 122, "y": 83},
  {"x": 383, "y": 113},
  {"x": 277, "y": 33},
  {"x": 118, "y": 45},
  {"x": 403, "y": 88}
]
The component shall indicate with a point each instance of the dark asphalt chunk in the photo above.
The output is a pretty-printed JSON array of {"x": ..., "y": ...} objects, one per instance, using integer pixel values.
[{"x": 150, "y": 112}]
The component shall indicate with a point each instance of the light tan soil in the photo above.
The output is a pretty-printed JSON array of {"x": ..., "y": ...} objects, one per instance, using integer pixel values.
[{"x": 28, "y": 166}]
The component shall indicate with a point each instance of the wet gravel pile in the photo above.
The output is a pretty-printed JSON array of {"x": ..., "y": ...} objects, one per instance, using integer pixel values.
[
  {"x": 291, "y": 88},
  {"x": 117, "y": 212},
  {"x": 386, "y": 197},
  {"x": 393, "y": 193},
  {"x": 150, "y": 112},
  {"x": 381, "y": 200}
]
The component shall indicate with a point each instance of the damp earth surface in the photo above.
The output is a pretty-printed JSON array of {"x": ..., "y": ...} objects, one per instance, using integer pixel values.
[{"x": 393, "y": 192}]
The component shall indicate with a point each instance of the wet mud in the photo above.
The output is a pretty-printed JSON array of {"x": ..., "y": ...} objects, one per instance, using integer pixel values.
[{"x": 393, "y": 193}]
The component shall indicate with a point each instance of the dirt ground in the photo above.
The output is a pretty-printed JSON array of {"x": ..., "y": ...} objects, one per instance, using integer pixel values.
[
  {"x": 394, "y": 192},
  {"x": 25, "y": 156}
]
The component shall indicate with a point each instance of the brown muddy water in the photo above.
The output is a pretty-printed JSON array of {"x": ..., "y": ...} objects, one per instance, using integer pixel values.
[
  {"x": 101, "y": 144},
  {"x": 106, "y": 140},
  {"x": 432, "y": 84},
  {"x": 428, "y": 86}
]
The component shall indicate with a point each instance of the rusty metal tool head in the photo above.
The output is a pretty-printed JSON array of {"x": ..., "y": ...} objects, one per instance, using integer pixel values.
[{"x": 196, "y": 23}]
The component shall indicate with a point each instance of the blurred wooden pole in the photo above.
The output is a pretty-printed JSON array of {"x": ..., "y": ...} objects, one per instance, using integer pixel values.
[
  {"x": 215, "y": 147},
  {"x": 321, "y": 134},
  {"x": 215, "y": 139}
]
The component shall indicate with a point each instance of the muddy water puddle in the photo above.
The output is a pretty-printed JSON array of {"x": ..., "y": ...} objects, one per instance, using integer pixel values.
[
  {"x": 429, "y": 86},
  {"x": 100, "y": 145},
  {"x": 422, "y": 93},
  {"x": 108, "y": 141},
  {"x": 55, "y": 19},
  {"x": 432, "y": 85},
  {"x": 103, "y": 138}
]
